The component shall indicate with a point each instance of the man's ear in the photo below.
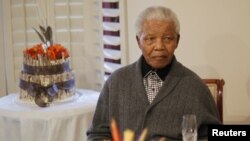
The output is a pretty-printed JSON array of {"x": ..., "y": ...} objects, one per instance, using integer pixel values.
[
  {"x": 138, "y": 41},
  {"x": 178, "y": 39}
]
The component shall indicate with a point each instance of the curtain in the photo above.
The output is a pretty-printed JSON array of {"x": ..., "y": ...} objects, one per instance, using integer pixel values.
[{"x": 111, "y": 36}]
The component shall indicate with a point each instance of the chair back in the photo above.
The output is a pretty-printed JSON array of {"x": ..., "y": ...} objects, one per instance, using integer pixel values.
[{"x": 216, "y": 88}]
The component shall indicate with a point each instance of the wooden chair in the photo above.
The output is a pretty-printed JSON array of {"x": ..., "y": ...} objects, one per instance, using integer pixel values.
[{"x": 216, "y": 88}]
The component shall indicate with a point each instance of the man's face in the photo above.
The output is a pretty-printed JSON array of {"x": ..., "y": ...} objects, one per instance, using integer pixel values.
[{"x": 158, "y": 41}]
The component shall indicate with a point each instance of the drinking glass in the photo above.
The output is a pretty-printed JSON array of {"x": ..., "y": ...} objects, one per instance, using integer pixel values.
[{"x": 189, "y": 128}]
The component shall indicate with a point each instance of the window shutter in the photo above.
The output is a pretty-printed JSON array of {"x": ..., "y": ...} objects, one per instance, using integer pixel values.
[
  {"x": 111, "y": 36},
  {"x": 77, "y": 27},
  {"x": 2, "y": 58},
  {"x": 19, "y": 18}
]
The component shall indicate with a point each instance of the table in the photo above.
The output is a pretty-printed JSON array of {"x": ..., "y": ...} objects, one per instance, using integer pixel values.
[{"x": 59, "y": 122}]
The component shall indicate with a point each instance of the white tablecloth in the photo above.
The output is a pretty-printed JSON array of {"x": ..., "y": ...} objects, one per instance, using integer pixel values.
[{"x": 59, "y": 122}]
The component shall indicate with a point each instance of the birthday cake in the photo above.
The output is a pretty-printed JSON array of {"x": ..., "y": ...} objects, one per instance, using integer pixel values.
[{"x": 46, "y": 76}]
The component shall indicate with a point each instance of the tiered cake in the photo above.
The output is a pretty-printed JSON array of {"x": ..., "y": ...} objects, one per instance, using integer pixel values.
[{"x": 46, "y": 76}]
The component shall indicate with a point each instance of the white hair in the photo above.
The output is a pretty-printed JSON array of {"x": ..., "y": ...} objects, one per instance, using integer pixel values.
[{"x": 156, "y": 12}]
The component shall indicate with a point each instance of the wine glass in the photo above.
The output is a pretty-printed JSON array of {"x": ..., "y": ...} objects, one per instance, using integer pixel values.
[{"x": 189, "y": 127}]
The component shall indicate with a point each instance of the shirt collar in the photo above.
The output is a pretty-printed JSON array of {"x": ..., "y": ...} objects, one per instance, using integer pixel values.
[{"x": 162, "y": 73}]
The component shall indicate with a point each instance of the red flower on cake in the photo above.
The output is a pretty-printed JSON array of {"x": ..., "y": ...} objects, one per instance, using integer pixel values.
[
  {"x": 51, "y": 55},
  {"x": 35, "y": 51},
  {"x": 54, "y": 52},
  {"x": 57, "y": 51}
]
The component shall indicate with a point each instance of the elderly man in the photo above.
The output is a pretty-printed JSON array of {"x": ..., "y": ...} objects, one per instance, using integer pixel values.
[{"x": 155, "y": 91}]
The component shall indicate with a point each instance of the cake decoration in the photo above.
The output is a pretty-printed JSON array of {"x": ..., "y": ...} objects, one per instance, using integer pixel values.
[{"x": 46, "y": 76}]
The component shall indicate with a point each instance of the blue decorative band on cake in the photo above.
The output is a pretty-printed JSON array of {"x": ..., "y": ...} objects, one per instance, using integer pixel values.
[
  {"x": 47, "y": 70},
  {"x": 34, "y": 88},
  {"x": 38, "y": 91}
]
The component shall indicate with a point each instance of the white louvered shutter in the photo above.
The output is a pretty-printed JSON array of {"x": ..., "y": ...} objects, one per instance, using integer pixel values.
[
  {"x": 77, "y": 26},
  {"x": 2, "y": 58},
  {"x": 19, "y": 18}
]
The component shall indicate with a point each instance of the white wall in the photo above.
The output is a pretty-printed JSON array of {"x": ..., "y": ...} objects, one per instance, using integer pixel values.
[{"x": 214, "y": 43}]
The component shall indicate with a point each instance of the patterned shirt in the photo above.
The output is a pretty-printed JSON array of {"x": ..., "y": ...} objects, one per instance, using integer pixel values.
[
  {"x": 152, "y": 83},
  {"x": 153, "y": 79}
]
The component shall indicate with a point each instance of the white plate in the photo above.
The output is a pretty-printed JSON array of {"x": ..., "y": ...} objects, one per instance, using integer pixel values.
[{"x": 31, "y": 103}]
